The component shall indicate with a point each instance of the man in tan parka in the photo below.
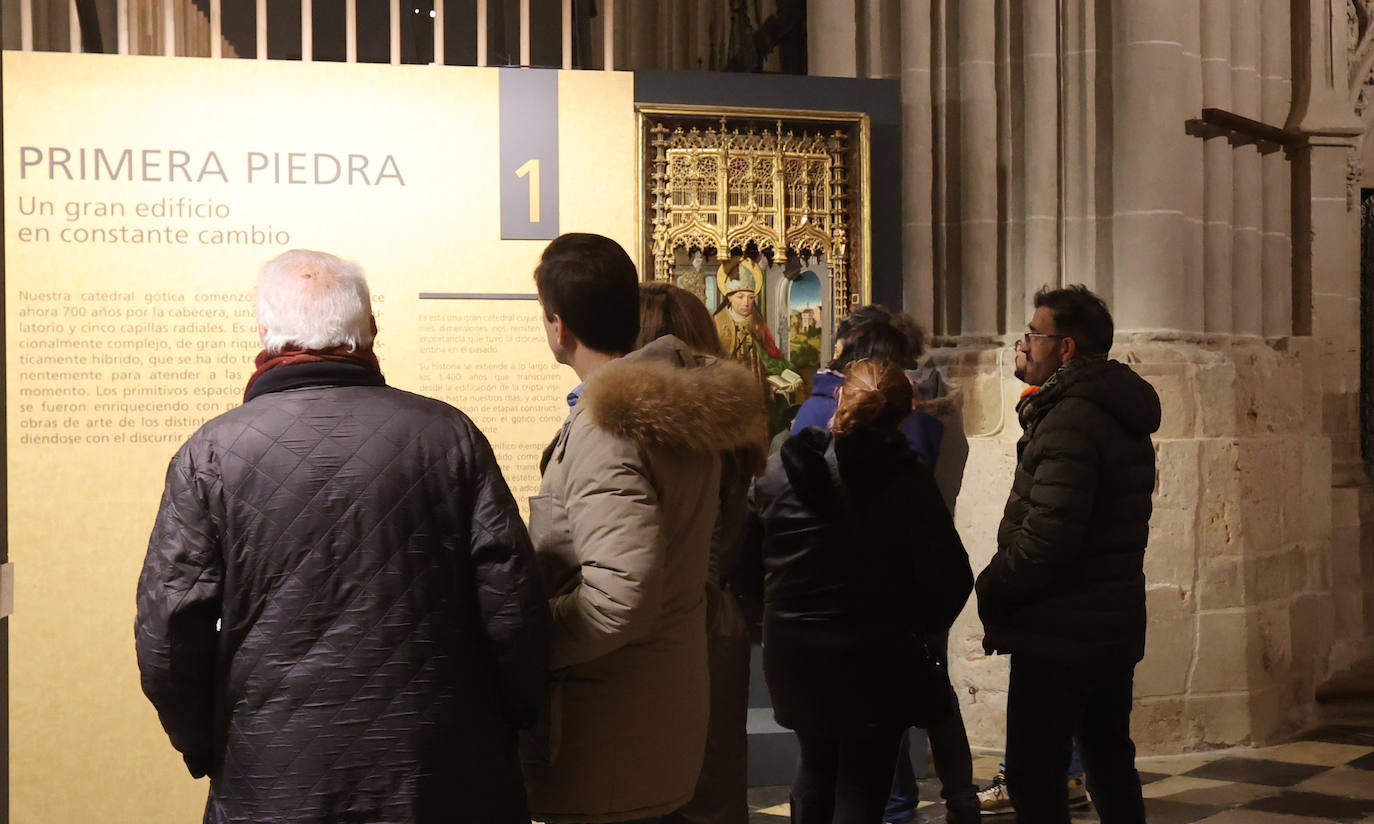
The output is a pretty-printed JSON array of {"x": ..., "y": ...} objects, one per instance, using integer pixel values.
[{"x": 622, "y": 529}]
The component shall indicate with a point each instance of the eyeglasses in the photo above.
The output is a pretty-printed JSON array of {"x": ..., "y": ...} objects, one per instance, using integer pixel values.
[{"x": 1023, "y": 342}]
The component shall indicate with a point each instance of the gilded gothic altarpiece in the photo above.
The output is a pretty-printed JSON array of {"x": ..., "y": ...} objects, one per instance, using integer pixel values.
[{"x": 763, "y": 215}]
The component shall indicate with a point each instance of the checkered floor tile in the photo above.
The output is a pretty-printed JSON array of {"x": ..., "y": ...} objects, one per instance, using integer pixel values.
[{"x": 1326, "y": 775}]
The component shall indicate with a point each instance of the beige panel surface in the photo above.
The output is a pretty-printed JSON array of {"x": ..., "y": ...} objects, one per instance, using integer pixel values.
[{"x": 93, "y": 419}]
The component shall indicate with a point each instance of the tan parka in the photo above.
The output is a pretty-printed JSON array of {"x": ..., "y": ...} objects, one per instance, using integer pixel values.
[{"x": 622, "y": 530}]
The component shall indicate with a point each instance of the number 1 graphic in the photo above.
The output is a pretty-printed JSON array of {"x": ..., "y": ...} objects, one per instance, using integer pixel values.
[{"x": 531, "y": 169}]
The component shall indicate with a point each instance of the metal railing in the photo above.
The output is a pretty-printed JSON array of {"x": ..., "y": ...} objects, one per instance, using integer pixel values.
[{"x": 179, "y": 22}]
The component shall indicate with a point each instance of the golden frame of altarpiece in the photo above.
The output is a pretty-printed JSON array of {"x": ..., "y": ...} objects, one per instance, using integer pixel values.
[{"x": 764, "y": 215}]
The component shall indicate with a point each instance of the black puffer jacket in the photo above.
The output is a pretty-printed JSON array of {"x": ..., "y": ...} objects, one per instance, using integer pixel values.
[
  {"x": 845, "y": 597},
  {"x": 1067, "y": 582},
  {"x": 339, "y": 617}
]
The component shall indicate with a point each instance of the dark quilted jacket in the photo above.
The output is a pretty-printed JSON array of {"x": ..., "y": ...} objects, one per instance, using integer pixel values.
[
  {"x": 339, "y": 617},
  {"x": 1067, "y": 582},
  {"x": 845, "y": 595}
]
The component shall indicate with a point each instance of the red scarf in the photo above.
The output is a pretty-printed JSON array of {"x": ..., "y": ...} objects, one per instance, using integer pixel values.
[{"x": 339, "y": 354}]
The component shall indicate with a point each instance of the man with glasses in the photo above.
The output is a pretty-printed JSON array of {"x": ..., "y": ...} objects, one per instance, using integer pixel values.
[{"x": 1065, "y": 592}]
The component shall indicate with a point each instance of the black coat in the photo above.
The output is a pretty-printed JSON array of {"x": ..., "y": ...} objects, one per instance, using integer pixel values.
[
  {"x": 339, "y": 617},
  {"x": 1067, "y": 583},
  {"x": 848, "y": 599}
]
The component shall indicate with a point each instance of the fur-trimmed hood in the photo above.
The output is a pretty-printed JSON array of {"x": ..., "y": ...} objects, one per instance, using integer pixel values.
[
  {"x": 622, "y": 528},
  {"x": 664, "y": 394}
]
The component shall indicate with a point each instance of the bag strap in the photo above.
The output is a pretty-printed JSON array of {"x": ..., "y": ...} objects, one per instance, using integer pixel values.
[{"x": 832, "y": 463}]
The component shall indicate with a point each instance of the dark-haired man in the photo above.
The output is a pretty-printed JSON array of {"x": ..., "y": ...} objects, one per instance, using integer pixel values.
[
  {"x": 1065, "y": 592},
  {"x": 622, "y": 528}
]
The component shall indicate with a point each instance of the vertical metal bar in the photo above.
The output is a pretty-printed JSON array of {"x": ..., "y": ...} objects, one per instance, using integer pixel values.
[
  {"x": 351, "y": 31},
  {"x": 395, "y": 32},
  {"x": 307, "y": 31},
  {"x": 524, "y": 32},
  {"x": 216, "y": 28},
  {"x": 26, "y": 25},
  {"x": 262, "y": 29},
  {"x": 608, "y": 34},
  {"x": 135, "y": 20},
  {"x": 169, "y": 28},
  {"x": 567, "y": 34},
  {"x": 481, "y": 32},
  {"x": 122, "y": 25},
  {"x": 438, "y": 32},
  {"x": 73, "y": 27}
]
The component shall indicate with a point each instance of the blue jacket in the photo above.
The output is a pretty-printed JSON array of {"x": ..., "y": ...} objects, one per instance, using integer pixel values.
[{"x": 922, "y": 431}]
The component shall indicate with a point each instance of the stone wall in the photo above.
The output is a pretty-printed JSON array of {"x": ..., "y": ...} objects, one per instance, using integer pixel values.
[
  {"x": 1196, "y": 165},
  {"x": 1250, "y": 602}
]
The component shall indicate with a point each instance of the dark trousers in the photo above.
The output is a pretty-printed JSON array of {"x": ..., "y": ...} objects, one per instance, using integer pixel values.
[
  {"x": 1047, "y": 705},
  {"x": 953, "y": 764},
  {"x": 721, "y": 795},
  {"x": 844, "y": 781}
]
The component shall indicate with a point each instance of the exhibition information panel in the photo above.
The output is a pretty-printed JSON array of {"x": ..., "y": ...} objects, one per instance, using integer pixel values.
[{"x": 141, "y": 195}]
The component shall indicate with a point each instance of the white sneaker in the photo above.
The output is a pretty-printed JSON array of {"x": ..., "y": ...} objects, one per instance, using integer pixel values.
[
  {"x": 1078, "y": 794},
  {"x": 995, "y": 800}
]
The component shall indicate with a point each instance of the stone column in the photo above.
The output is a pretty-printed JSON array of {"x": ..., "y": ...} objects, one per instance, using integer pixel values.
[
  {"x": 1192, "y": 166},
  {"x": 52, "y": 27},
  {"x": 1334, "y": 292},
  {"x": 945, "y": 145},
  {"x": 832, "y": 38},
  {"x": 703, "y": 15},
  {"x": 1326, "y": 293},
  {"x": 674, "y": 35},
  {"x": 1081, "y": 172},
  {"x": 1276, "y": 272},
  {"x": 622, "y": 33},
  {"x": 1246, "y": 261},
  {"x": 1149, "y": 234},
  {"x": 1217, "y": 176},
  {"x": 1326, "y": 290},
  {"x": 641, "y": 19},
  {"x": 1072, "y": 183},
  {"x": 918, "y": 253},
  {"x": 881, "y": 36},
  {"x": 977, "y": 79},
  {"x": 1041, "y": 145},
  {"x": 1011, "y": 117}
]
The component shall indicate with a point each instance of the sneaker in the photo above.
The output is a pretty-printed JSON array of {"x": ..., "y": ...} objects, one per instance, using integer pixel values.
[
  {"x": 1078, "y": 794},
  {"x": 995, "y": 800}
]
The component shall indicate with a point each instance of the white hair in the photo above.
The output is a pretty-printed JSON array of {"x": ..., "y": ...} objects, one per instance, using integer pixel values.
[{"x": 314, "y": 300}]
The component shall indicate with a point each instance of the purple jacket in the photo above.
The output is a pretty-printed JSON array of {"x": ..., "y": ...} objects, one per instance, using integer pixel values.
[{"x": 922, "y": 431}]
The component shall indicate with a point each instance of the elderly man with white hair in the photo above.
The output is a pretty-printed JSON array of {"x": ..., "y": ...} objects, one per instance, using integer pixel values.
[{"x": 339, "y": 617}]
